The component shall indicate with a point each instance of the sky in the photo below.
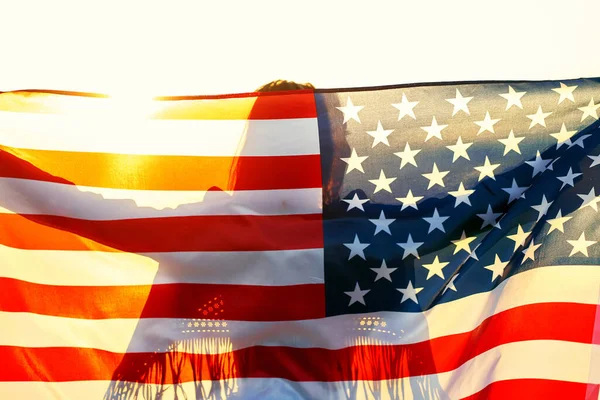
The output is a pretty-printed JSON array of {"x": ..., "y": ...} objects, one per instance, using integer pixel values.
[{"x": 193, "y": 47}]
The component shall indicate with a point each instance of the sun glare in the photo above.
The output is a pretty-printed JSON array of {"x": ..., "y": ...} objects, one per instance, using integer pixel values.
[{"x": 132, "y": 104}]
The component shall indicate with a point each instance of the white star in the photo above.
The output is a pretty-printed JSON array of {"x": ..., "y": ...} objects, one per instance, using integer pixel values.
[
  {"x": 450, "y": 284},
  {"x": 410, "y": 247},
  {"x": 407, "y": 156},
  {"x": 595, "y": 160},
  {"x": 580, "y": 245},
  {"x": 357, "y": 248},
  {"x": 436, "y": 177},
  {"x": 459, "y": 149},
  {"x": 519, "y": 238},
  {"x": 350, "y": 111},
  {"x": 515, "y": 191},
  {"x": 530, "y": 252},
  {"x": 357, "y": 295},
  {"x": 568, "y": 178},
  {"x": 409, "y": 200},
  {"x": 354, "y": 162},
  {"x": 382, "y": 224},
  {"x": 539, "y": 164},
  {"x": 514, "y": 98},
  {"x": 383, "y": 272},
  {"x": 410, "y": 293},
  {"x": 462, "y": 195},
  {"x": 406, "y": 107},
  {"x": 434, "y": 130},
  {"x": 435, "y": 221},
  {"x": 435, "y": 268},
  {"x": 590, "y": 110},
  {"x": 511, "y": 143},
  {"x": 497, "y": 268},
  {"x": 355, "y": 202},
  {"x": 563, "y": 137},
  {"x": 464, "y": 243},
  {"x": 487, "y": 124},
  {"x": 380, "y": 135},
  {"x": 558, "y": 222},
  {"x": 566, "y": 92},
  {"x": 590, "y": 199},
  {"x": 543, "y": 207},
  {"x": 460, "y": 103},
  {"x": 489, "y": 218},
  {"x": 579, "y": 141},
  {"x": 487, "y": 169},
  {"x": 382, "y": 183},
  {"x": 539, "y": 118}
]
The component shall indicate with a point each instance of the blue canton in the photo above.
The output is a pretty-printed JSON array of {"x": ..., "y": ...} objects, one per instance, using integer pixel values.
[{"x": 436, "y": 192}]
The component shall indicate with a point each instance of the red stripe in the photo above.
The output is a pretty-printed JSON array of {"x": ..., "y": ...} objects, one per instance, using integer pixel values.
[
  {"x": 168, "y": 234},
  {"x": 551, "y": 321},
  {"x": 533, "y": 389},
  {"x": 144, "y": 172},
  {"x": 181, "y": 300}
]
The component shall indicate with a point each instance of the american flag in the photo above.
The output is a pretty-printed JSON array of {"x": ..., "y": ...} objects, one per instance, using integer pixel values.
[{"x": 432, "y": 241}]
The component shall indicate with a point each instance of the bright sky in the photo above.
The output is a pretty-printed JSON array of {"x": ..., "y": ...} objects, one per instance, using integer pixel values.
[{"x": 205, "y": 47}]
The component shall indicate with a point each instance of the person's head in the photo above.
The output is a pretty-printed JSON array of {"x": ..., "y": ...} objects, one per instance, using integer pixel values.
[
  {"x": 241, "y": 171},
  {"x": 332, "y": 138}
]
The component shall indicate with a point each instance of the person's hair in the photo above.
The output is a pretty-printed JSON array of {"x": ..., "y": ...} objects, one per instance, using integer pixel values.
[{"x": 280, "y": 85}]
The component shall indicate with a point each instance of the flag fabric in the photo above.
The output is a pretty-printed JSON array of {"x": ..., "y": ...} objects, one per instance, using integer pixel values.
[{"x": 432, "y": 241}]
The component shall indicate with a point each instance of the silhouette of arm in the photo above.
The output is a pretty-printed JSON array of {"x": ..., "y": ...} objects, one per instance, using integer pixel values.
[{"x": 34, "y": 202}]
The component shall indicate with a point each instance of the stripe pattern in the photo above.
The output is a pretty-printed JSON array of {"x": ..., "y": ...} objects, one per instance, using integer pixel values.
[
  {"x": 197, "y": 209},
  {"x": 180, "y": 253}
]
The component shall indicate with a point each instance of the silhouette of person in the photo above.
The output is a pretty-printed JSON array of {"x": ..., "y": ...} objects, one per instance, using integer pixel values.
[{"x": 180, "y": 356}]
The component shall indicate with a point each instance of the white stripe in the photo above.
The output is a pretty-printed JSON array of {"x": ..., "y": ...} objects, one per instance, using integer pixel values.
[
  {"x": 20, "y": 196},
  {"x": 549, "y": 360},
  {"x": 91, "y": 268},
  {"x": 159, "y": 137},
  {"x": 569, "y": 284}
]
